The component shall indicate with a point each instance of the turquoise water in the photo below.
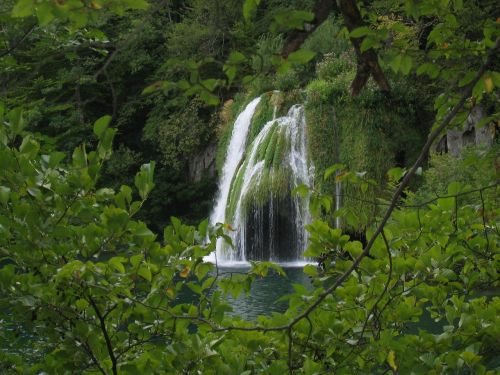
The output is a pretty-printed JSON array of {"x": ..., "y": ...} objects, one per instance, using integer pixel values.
[{"x": 265, "y": 292}]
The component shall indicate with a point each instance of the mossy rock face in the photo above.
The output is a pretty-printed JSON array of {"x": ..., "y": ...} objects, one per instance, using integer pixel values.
[
  {"x": 272, "y": 179},
  {"x": 371, "y": 132},
  {"x": 270, "y": 104},
  {"x": 235, "y": 190}
]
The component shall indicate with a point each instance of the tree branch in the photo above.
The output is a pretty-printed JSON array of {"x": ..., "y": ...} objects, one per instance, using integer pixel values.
[
  {"x": 404, "y": 183},
  {"x": 104, "y": 330},
  {"x": 367, "y": 60},
  {"x": 322, "y": 10}
]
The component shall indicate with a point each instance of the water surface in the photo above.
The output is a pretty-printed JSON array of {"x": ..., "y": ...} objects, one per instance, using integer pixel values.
[{"x": 265, "y": 292}]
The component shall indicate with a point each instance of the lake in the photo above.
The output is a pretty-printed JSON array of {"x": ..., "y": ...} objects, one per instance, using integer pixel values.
[{"x": 265, "y": 292}]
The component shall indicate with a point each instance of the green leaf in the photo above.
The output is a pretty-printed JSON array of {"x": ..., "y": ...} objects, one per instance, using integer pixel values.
[
  {"x": 447, "y": 204},
  {"x": 101, "y": 125},
  {"x": 406, "y": 64},
  {"x": 56, "y": 158},
  {"x": 105, "y": 147},
  {"x": 210, "y": 84},
  {"x": 395, "y": 63},
  {"x": 396, "y": 174},
  {"x": 144, "y": 179},
  {"x": 454, "y": 188},
  {"x": 16, "y": 120},
  {"x": 302, "y": 56},
  {"x": 230, "y": 73},
  {"x": 44, "y": 14},
  {"x": 291, "y": 19},
  {"x": 391, "y": 360},
  {"x": 209, "y": 98},
  {"x": 432, "y": 70},
  {"x": 145, "y": 272},
  {"x": 81, "y": 304},
  {"x": 247, "y": 79},
  {"x": 331, "y": 170},
  {"x": 183, "y": 84},
  {"x": 488, "y": 83},
  {"x": 302, "y": 190},
  {"x": 249, "y": 8},
  {"x": 23, "y": 8},
  {"x": 136, "y": 4},
  {"x": 311, "y": 270},
  {"x": 116, "y": 263},
  {"x": 368, "y": 43},
  {"x": 284, "y": 67},
  {"x": 355, "y": 248},
  {"x": 359, "y": 32},
  {"x": 236, "y": 57},
  {"x": 478, "y": 89},
  {"x": 311, "y": 367},
  {"x": 466, "y": 79},
  {"x": 79, "y": 157},
  {"x": 29, "y": 147},
  {"x": 203, "y": 228},
  {"x": 135, "y": 260},
  {"x": 4, "y": 194},
  {"x": 34, "y": 192},
  {"x": 494, "y": 75},
  {"x": 154, "y": 87}
]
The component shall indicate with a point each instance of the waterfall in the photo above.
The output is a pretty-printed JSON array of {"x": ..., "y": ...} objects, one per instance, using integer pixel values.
[
  {"x": 234, "y": 155},
  {"x": 338, "y": 202},
  {"x": 255, "y": 189}
]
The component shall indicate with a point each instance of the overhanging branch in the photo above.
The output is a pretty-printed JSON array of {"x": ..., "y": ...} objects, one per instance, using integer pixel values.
[{"x": 367, "y": 61}]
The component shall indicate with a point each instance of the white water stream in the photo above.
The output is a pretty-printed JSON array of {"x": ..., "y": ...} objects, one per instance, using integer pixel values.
[{"x": 233, "y": 158}]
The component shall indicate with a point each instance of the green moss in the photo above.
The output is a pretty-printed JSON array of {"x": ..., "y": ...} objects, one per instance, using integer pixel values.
[
  {"x": 282, "y": 145},
  {"x": 263, "y": 114},
  {"x": 235, "y": 191},
  {"x": 287, "y": 81},
  {"x": 272, "y": 183},
  {"x": 367, "y": 133},
  {"x": 256, "y": 194},
  {"x": 280, "y": 183},
  {"x": 262, "y": 147},
  {"x": 268, "y": 160},
  {"x": 288, "y": 99}
]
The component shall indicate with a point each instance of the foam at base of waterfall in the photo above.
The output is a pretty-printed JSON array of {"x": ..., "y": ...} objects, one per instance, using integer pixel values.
[{"x": 245, "y": 264}]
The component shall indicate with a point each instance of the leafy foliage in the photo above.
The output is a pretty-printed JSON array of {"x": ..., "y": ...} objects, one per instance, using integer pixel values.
[{"x": 92, "y": 289}]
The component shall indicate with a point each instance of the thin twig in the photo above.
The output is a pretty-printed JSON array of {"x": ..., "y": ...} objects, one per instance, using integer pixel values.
[
  {"x": 19, "y": 42},
  {"x": 484, "y": 221}
]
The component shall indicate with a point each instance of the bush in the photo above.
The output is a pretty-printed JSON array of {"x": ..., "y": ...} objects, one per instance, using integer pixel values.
[
  {"x": 327, "y": 39},
  {"x": 476, "y": 167},
  {"x": 333, "y": 65},
  {"x": 287, "y": 81}
]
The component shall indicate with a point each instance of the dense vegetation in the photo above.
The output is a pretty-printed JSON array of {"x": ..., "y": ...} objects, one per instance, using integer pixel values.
[{"x": 100, "y": 95}]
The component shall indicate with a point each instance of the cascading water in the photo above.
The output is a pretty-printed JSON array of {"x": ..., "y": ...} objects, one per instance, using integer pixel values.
[
  {"x": 255, "y": 189},
  {"x": 234, "y": 155}
]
